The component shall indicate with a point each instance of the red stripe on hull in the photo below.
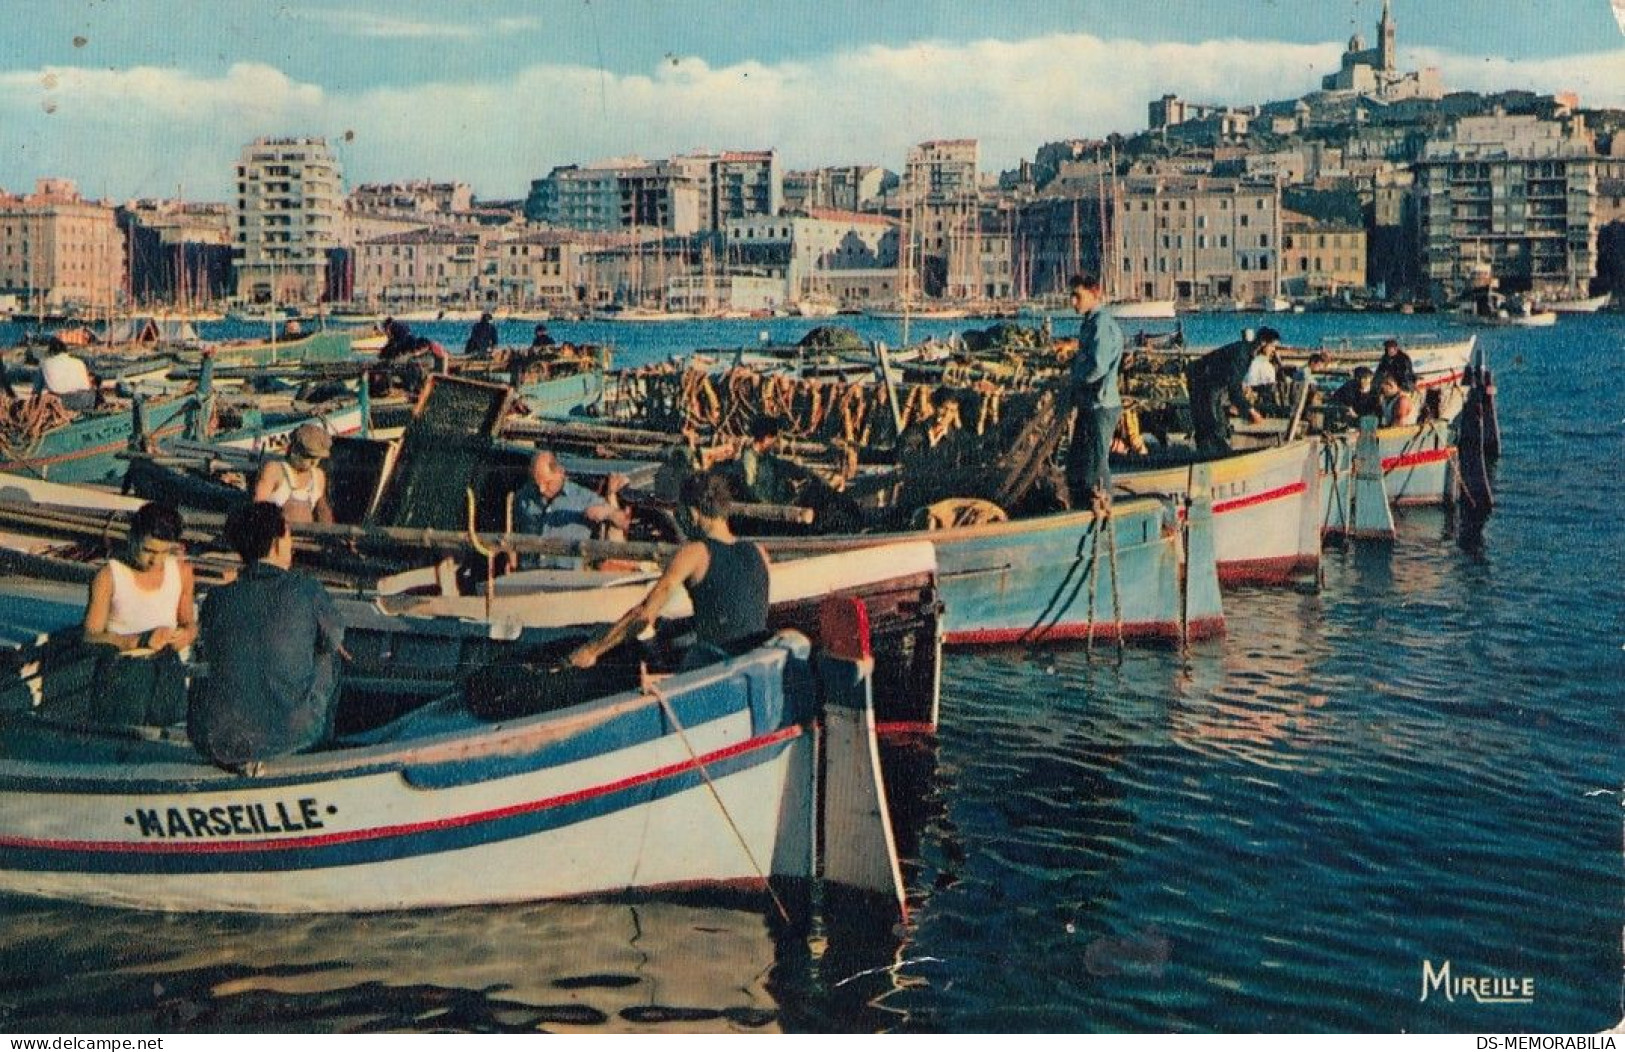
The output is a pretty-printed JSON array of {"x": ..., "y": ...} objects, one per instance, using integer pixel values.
[
  {"x": 1411, "y": 460},
  {"x": 1105, "y": 631},
  {"x": 1279, "y": 493},
  {"x": 381, "y": 832},
  {"x": 1280, "y": 570}
]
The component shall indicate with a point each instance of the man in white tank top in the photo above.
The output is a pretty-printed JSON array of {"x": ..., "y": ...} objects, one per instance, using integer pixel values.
[{"x": 141, "y": 607}]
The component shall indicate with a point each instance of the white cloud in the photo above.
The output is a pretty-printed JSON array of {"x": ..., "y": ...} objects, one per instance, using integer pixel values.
[
  {"x": 143, "y": 130},
  {"x": 1599, "y": 78},
  {"x": 367, "y": 24}
]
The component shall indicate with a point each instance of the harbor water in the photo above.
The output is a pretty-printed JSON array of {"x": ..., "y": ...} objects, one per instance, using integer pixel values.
[{"x": 1412, "y": 771}]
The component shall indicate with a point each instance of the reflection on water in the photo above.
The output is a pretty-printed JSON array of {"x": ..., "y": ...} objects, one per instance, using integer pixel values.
[{"x": 554, "y": 967}]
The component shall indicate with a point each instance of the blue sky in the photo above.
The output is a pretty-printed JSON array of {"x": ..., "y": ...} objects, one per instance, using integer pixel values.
[{"x": 155, "y": 97}]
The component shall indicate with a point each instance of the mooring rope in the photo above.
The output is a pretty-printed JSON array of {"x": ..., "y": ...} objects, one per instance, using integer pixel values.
[{"x": 705, "y": 775}]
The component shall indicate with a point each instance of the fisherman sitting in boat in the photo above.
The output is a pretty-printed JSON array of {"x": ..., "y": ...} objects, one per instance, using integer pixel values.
[
  {"x": 141, "y": 608},
  {"x": 298, "y": 485},
  {"x": 551, "y": 505},
  {"x": 760, "y": 475},
  {"x": 1398, "y": 407},
  {"x": 1358, "y": 395},
  {"x": 482, "y": 338},
  {"x": 726, "y": 579},
  {"x": 406, "y": 359},
  {"x": 67, "y": 377},
  {"x": 273, "y": 640},
  {"x": 1396, "y": 363}
]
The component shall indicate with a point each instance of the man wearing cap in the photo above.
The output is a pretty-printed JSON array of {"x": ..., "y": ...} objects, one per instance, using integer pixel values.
[{"x": 297, "y": 484}]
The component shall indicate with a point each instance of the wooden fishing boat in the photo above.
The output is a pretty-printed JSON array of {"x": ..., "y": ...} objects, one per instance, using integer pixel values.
[
  {"x": 410, "y": 628},
  {"x": 1365, "y": 474},
  {"x": 897, "y": 584},
  {"x": 86, "y": 448},
  {"x": 1144, "y": 571},
  {"x": 1267, "y": 509},
  {"x": 1581, "y": 305},
  {"x": 1141, "y": 309},
  {"x": 709, "y": 778},
  {"x": 319, "y": 346}
]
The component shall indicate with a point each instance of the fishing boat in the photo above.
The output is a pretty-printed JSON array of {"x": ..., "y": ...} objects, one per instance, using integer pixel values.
[
  {"x": 1267, "y": 509},
  {"x": 707, "y": 778},
  {"x": 1365, "y": 474},
  {"x": 1142, "y": 309},
  {"x": 1581, "y": 305},
  {"x": 897, "y": 584},
  {"x": 319, "y": 346},
  {"x": 50, "y": 444},
  {"x": 1145, "y": 570}
]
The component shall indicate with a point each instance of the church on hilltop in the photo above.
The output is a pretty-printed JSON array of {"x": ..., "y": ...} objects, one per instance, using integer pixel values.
[{"x": 1374, "y": 72}]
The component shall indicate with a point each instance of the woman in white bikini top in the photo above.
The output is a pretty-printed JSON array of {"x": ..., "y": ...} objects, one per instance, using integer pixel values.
[{"x": 298, "y": 485}]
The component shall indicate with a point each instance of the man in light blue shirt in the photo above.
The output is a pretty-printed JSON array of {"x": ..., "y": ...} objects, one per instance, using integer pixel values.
[
  {"x": 1095, "y": 396},
  {"x": 552, "y": 506}
]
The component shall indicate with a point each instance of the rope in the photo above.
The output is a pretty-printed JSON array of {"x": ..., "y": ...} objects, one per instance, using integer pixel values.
[
  {"x": 1094, "y": 574},
  {"x": 1329, "y": 448},
  {"x": 1117, "y": 598},
  {"x": 671, "y": 714}
]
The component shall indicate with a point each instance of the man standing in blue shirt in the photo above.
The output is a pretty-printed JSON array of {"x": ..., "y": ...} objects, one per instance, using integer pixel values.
[
  {"x": 1095, "y": 396},
  {"x": 552, "y": 506}
]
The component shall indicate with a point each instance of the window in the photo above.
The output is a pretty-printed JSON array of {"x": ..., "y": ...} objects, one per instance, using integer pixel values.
[
  {"x": 1263, "y": 241},
  {"x": 1243, "y": 220}
]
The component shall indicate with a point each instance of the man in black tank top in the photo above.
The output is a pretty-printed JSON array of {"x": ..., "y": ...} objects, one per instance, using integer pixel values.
[{"x": 726, "y": 579}]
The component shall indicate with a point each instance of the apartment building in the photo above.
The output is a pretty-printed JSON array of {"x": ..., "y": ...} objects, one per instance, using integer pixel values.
[
  {"x": 1195, "y": 240},
  {"x": 623, "y": 194},
  {"x": 180, "y": 252},
  {"x": 429, "y": 267},
  {"x": 818, "y": 254},
  {"x": 290, "y": 214},
  {"x": 59, "y": 251},
  {"x": 850, "y": 188},
  {"x": 543, "y": 267},
  {"x": 942, "y": 168},
  {"x": 1509, "y": 196},
  {"x": 1321, "y": 258}
]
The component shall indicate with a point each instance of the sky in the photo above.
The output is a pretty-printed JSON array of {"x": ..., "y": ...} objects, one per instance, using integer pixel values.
[{"x": 157, "y": 98}]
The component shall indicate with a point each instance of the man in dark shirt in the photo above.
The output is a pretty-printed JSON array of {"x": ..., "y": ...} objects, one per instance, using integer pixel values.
[
  {"x": 1396, "y": 363},
  {"x": 1359, "y": 395},
  {"x": 1218, "y": 383},
  {"x": 482, "y": 338},
  {"x": 273, "y": 640}
]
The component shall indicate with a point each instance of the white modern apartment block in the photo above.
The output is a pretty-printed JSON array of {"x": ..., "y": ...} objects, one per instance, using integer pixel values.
[{"x": 290, "y": 211}]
